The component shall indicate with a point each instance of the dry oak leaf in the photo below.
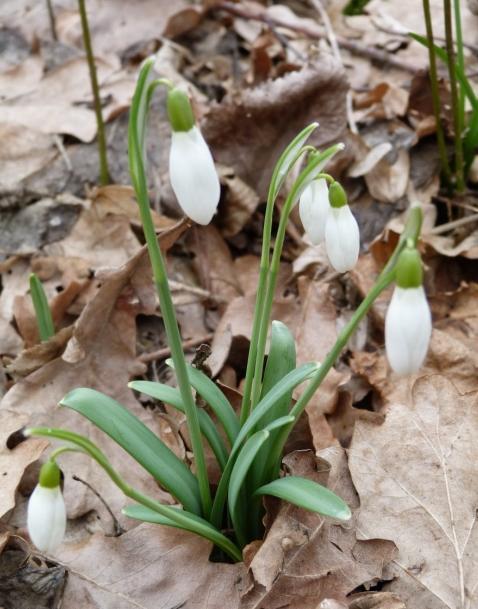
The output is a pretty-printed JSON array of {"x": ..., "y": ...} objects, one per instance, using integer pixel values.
[
  {"x": 13, "y": 462},
  {"x": 249, "y": 131},
  {"x": 149, "y": 567},
  {"x": 306, "y": 559},
  {"x": 416, "y": 476}
]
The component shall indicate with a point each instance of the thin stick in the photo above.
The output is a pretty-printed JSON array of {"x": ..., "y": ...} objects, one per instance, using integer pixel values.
[
  {"x": 166, "y": 351},
  {"x": 119, "y": 530},
  {"x": 104, "y": 173},
  {"x": 435, "y": 94},
  {"x": 460, "y": 181}
]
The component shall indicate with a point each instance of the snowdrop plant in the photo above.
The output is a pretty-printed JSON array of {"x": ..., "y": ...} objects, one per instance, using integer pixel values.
[{"x": 248, "y": 445}]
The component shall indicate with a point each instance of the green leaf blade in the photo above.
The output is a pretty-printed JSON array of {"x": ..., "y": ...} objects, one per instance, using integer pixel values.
[
  {"x": 309, "y": 495},
  {"x": 172, "y": 396},
  {"x": 46, "y": 327},
  {"x": 139, "y": 441}
]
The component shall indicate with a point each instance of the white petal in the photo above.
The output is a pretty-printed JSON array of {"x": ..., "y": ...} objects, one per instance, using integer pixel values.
[
  {"x": 342, "y": 238},
  {"x": 408, "y": 327},
  {"x": 46, "y": 519},
  {"x": 313, "y": 210},
  {"x": 193, "y": 175}
]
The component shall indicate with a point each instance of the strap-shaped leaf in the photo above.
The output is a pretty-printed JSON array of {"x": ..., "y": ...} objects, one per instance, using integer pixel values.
[
  {"x": 218, "y": 402},
  {"x": 307, "y": 494},
  {"x": 192, "y": 523},
  {"x": 239, "y": 472},
  {"x": 139, "y": 441},
  {"x": 172, "y": 396},
  {"x": 288, "y": 383}
]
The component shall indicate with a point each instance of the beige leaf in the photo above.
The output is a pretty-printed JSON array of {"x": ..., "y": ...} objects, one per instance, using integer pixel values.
[
  {"x": 147, "y": 568},
  {"x": 13, "y": 462},
  {"x": 416, "y": 477}
]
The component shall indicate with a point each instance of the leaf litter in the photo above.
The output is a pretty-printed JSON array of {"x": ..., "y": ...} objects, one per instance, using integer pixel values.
[{"x": 400, "y": 452}]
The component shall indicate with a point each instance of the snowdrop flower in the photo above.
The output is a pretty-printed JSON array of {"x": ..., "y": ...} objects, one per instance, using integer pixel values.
[
  {"x": 408, "y": 323},
  {"x": 342, "y": 238},
  {"x": 313, "y": 210},
  {"x": 191, "y": 167},
  {"x": 46, "y": 518}
]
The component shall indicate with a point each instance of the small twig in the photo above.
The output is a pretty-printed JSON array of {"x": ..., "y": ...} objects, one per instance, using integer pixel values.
[
  {"x": 166, "y": 351},
  {"x": 104, "y": 172},
  {"x": 317, "y": 4},
  {"x": 357, "y": 48},
  {"x": 51, "y": 18},
  {"x": 119, "y": 530},
  {"x": 64, "y": 154},
  {"x": 443, "y": 228}
]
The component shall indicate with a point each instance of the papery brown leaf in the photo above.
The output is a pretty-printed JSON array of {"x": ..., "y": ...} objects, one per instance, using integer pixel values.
[
  {"x": 250, "y": 131},
  {"x": 14, "y": 461},
  {"x": 149, "y": 567},
  {"x": 415, "y": 475}
]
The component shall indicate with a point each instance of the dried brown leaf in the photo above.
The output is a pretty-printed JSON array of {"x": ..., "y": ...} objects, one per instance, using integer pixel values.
[{"x": 416, "y": 475}]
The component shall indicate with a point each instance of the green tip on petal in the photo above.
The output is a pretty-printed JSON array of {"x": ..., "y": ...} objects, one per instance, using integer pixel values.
[
  {"x": 409, "y": 269},
  {"x": 180, "y": 112},
  {"x": 50, "y": 475},
  {"x": 337, "y": 195}
]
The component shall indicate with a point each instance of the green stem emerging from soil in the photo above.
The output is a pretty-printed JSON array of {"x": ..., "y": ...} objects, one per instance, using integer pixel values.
[
  {"x": 104, "y": 172},
  {"x": 460, "y": 181},
  {"x": 445, "y": 166}
]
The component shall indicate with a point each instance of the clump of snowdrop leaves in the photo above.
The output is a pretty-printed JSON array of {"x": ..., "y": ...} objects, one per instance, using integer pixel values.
[
  {"x": 46, "y": 519},
  {"x": 408, "y": 323},
  {"x": 191, "y": 167}
]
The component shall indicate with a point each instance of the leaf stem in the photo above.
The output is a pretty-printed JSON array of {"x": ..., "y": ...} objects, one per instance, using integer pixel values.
[
  {"x": 104, "y": 172},
  {"x": 445, "y": 166},
  {"x": 136, "y": 133}
]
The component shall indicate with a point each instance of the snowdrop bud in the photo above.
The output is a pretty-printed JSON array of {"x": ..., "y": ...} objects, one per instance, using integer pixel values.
[
  {"x": 191, "y": 167},
  {"x": 408, "y": 323},
  {"x": 313, "y": 210},
  {"x": 46, "y": 518},
  {"x": 342, "y": 237}
]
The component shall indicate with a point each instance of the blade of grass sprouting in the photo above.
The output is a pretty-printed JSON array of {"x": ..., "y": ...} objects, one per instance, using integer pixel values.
[
  {"x": 172, "y": 396},
  {"x": 218, "y": 402},
  {"x": 139, "y": 441},
  {"x": 46, "y": 328}
]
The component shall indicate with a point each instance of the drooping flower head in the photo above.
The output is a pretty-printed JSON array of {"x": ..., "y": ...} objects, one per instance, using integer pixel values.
[
  {"x": 46, "y": 517},
  {"x": 191, "y": 167},
  {"x": 313, "y": 210},
  {"x": 408, "y": 323},
  {"x": 342, "y": 237}
]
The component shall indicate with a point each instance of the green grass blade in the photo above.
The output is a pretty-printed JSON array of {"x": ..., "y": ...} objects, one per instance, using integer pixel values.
[
  {"x": 46, "y": 328},
  {"x": 172, "y": 396},
  {"x": 289, "y": 382},
  {"x": 218, "y": 402},
  {"x": 139, "y": 441},
  {"x": 470, "y": 143},
  {"x": 307, "y": 494},
  {"x": 193, "y": 524},
  {"x": 244, "y": 461}
]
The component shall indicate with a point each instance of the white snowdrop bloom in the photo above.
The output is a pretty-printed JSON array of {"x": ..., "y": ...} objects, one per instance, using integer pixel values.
[
  {"x": 193, "y": 175},
  {"x": 46, "y": 517},
  {"x": 191, "y": 167},
  {"x": 408, "y": 323},
  {"x": 313, "y": 209},
  {"x": 342, "y": 238}
]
